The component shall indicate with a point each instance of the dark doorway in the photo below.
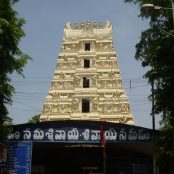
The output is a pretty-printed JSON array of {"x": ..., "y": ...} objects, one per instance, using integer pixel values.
[
  {"x": 121, "y": 158},
  {"x": 87, "y": 46},
  {"x": 86, "y": 82},
  {"x": 128, "y": 159},
  {"x": 85, "y": 106},
  {"x": 86, "y": 63},
  {"x": 51, "y": 158}
]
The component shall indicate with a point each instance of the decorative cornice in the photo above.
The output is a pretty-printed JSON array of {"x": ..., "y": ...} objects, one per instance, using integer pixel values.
[
  {"x": 88, "y": 32},
  {"x": 87, "y": 26}
]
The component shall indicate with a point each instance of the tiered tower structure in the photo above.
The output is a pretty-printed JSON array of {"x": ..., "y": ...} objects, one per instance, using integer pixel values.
[{"x": 87, "y": 83}]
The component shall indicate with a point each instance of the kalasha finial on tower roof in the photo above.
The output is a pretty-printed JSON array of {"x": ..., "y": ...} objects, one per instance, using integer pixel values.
[
  {"x": 94, "y": 25},
  {"x": 82, "y": 25},
  {"x": 76, "y": 26},
  {"x": 100, "y": 25},
  {"x": 88, "y": 25},
  {"x": 108, "y": 24},
  {"x": 68, "y": 25}
]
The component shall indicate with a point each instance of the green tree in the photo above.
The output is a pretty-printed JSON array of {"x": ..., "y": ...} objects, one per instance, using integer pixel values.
[
  {"x": 34, "y": 119},
  {"x": 156, "y": 51},
  {"x": 12, "y": 59}
]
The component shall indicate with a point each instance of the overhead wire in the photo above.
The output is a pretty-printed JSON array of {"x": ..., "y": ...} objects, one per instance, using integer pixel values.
[
  {"x": 26, "y": 105},
  {"x": 40, "y": 96},
  {"x": 27, "y": 110}
]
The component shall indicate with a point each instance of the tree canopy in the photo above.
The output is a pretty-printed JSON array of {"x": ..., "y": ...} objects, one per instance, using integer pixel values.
[
  {"x": 12, "y": 59},
  {"x": 34, "y": 119},
  {"x": 156, "y": 51}
]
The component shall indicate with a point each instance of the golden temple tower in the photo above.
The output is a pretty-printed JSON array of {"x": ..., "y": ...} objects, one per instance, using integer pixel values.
[{"x": 87, "y": 83}]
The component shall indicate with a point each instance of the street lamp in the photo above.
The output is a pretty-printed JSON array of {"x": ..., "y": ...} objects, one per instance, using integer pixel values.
[
  {"x": 151, "y": 7},
  {"x": 154, "y": 7}
]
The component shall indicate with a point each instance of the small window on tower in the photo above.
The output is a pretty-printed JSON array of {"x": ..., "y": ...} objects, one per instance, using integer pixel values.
[
  {"x": 85, "y": 106},
  {"x": 86, "y": 63},
  {"x": 86, "y": 82},
  {"x": 87, "y": 46}
]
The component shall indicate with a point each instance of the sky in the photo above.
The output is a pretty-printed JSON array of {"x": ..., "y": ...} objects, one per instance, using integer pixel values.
[{"x": 44, "y": 33}]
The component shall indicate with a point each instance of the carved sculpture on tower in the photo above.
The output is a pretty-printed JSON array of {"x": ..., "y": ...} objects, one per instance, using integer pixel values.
[{"x": 87, "y": 84}]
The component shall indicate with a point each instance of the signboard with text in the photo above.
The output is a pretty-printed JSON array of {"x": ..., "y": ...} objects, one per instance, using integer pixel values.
[
  {"x": 80, "y": 132},
  {"x": 19, "y": 157}
]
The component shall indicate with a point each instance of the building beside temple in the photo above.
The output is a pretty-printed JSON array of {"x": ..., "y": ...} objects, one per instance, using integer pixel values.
[{"x": 86, "y": 126}]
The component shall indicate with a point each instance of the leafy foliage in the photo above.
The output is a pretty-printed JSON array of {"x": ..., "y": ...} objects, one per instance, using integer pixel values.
[
  {"x": 164, "y": 146},
  {"x": 156, "y": 51},
  {"x": 34, "y": 119},
  {"x": 12, "y": 59}
]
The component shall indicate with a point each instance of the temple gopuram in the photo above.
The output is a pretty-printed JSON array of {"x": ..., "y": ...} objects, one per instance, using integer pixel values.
[{"x": 87, "y": 84}]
